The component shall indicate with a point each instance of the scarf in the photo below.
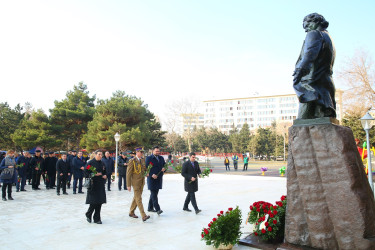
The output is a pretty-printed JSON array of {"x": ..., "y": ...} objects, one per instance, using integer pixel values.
[{"x": 9, "y": 161}]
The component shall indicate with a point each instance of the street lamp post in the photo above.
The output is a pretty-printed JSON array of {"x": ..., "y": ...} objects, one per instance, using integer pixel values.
[
  {"x": 367, "y": 122},
  {"x": 117, "y": 139}
]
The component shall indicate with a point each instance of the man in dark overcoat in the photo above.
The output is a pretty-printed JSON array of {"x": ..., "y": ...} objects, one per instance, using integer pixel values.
[
  {"x": 50, "y": 170},
  {"x": 109, "y": 168},
  {"x": 190, "y": 171},
  {"x": 22, "y": 168},
  {"x": 155, "y": 179},
  {"x": 63, "y": 172},
  {"x": 78, "y": 166},
  {"x": 37, "y": 166},
  {"x": 122, "y": 167},
  {"x": 70, "y": 158},
  {"x": 96, "y": 192}
]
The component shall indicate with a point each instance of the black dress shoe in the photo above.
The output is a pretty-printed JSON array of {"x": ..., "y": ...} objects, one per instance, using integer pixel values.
[
  {"x": 38, "y": 188},
  {"x": 198, "y": 211},
  {"x": 58, "y": 193},
  {"x": 88, "y": 219},
  {"x": 81, "y": 192},
  {"x": 98, "y": 222},
  {"x": 17, "y": 190},
  {"x": 4, "y": 199},
  {"x": 146, "y": 218},
  {"x": 74, "y": 192},
  {"x": 23, "y": 190},
  {"x": 152, "y": 211},
  {"x": 10, "y": 198},
  {"x": 159, "y": 212},
  {"x": 187, "y": 209},
  {"x": 65, "y": 193}
]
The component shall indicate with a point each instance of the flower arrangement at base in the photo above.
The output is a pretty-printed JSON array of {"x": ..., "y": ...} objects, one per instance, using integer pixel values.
[
  {"x": 268, "y": 219},
  {"x": 263, "y": 169},
  {"x": 223, "y": 229},
  {"x": 282, "y": 171}
]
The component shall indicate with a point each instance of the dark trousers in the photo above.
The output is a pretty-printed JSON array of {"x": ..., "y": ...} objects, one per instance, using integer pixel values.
[
  {"x": 153, "y": 202},
  {"x": 235, "y": 165},
  {"x": 245, "y": 166},
  {"x": 96, "y": 208},
  {"x": 79, "y": 180},
  {"x": 4, "y": 188},
  {"x": 61, "y": 183},
  {"x": 227, "y": 167},
  {"x": 21, "y": 183},
  {"x": 50, "y": 183},
  {"x": 68, "y": 180},
  {"x": 35, "y": 179},
  {"x": 190, "y": 197},
  {"x": 109, "y": 180},
  {"x": 120, "y": 179}
]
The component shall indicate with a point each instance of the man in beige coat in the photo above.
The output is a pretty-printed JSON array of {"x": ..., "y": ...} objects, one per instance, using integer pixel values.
[{"x": 135, "y": 177}]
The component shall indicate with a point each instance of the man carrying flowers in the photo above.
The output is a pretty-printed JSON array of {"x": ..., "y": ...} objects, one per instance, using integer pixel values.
[
  {"x": 190, "y": 171},
  {"x": 135, "y": 177}
]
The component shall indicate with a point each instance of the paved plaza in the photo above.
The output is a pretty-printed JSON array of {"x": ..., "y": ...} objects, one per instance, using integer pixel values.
[{"x": 43, "y": 220}]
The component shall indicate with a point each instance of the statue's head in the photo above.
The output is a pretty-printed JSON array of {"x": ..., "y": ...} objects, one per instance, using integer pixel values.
[{"x": 314, "y": 21}]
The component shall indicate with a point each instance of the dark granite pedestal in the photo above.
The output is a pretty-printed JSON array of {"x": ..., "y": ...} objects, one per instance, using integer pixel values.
[{"x": 330, "y": 202}]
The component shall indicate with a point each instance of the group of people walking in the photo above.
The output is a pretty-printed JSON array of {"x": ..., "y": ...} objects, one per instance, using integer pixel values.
[{"x": 98, "y": 169}]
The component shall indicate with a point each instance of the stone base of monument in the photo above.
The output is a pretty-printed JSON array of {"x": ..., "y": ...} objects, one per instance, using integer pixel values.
[
  {"x": 254, "y": 241},
  {"x": 330, "y": 204}
]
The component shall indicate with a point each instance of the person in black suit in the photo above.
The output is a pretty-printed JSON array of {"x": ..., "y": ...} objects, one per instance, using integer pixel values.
[
  {"x": 155, "y": 181},
  {"x": 63, "y": 171},
  {"x": 190, "y": 171}
]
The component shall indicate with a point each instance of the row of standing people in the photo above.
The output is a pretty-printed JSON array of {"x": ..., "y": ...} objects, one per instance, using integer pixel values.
[{"x": 235, "y": 163}]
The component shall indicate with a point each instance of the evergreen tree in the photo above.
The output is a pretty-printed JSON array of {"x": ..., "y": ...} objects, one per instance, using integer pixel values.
[
  {"x": 35, "y": 130},
  {"x": 126, "y": 115},
  {"x": 9, "y": 122},
  {"x": 71, "y": 115}
]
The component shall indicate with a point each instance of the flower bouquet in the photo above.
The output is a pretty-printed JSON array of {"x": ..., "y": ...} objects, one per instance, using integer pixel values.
[
  {"x": 148, "y": 169},
  {"x": 224, "y": 230},
  {"x": 206, "y": 172},
  {"x": 268, "y": 219},
  {"x": 112, "y": 178},
  {"x": 166, "y": 167},
  {"x": 263, "y": 169},
  {"x": 282, "y": 171},
  {"x": 92, "y": 170},
  {"x": 20, "y": 165}
]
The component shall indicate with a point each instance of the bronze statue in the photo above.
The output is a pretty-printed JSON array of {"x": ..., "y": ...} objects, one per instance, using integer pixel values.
[{"x": 313, "y": 73}]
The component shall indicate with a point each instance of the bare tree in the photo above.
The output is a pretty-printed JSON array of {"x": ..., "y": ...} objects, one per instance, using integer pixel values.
[
  {"x": 358, "y": 74},
  {"x": 181, "y": 113}
]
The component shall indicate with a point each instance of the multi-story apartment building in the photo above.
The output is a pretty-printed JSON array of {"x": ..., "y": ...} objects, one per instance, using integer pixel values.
[
  {"x": 189, "y": 121},
  {"x": 259, "y": 111}
]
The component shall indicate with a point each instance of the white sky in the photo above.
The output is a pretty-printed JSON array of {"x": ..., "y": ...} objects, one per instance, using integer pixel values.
[{"x": 163, "y": 50}]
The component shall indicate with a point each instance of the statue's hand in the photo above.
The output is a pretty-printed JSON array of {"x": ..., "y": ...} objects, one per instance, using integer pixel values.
[{"x": 298, "y": 74}]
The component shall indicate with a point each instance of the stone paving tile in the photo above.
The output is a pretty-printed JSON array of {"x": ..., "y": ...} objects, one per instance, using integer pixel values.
[{"x": 43, "y": 220}]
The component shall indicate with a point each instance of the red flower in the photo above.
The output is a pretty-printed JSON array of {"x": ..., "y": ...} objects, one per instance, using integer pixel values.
[
  {"x": 172, "y": 161},
  {"x": 227, "y": 212},
  {"x": 211, "y": 170},
  {"x": 260, "y": 219},
  {"x": 283, "y": 198},
  {"x": 221, "y": 212},
  {"x": 263, "y": 231},
  {"x": 266, "y": 224},
  {"x": 275, "y": 222},
  {"x": 274, "y": 212},
  {"x": 271, "y": 215},
  {"x": 202, "y": 235},
  {"x": 264, "y": 206},
  {"x": 251, "y": 207},
  {"x": 265, "y": 211},
  {"x": 218, "y": 215},
  {"x": 230, "y": 209},
  {"x": 274, "y": 207},
  {"x": 270, "y": 229},
  {"x": 88, "y": 167},
  {"x": 205, "y": 231},
  {"x": 214, "y": 219},
  {"x": 24, "y": 164},
  {"x": 258, "y": 210},
  {"x": 209, "y": 225},
  {"x": 152, "y": 164},
  {"x": 256, "y": 234}
]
